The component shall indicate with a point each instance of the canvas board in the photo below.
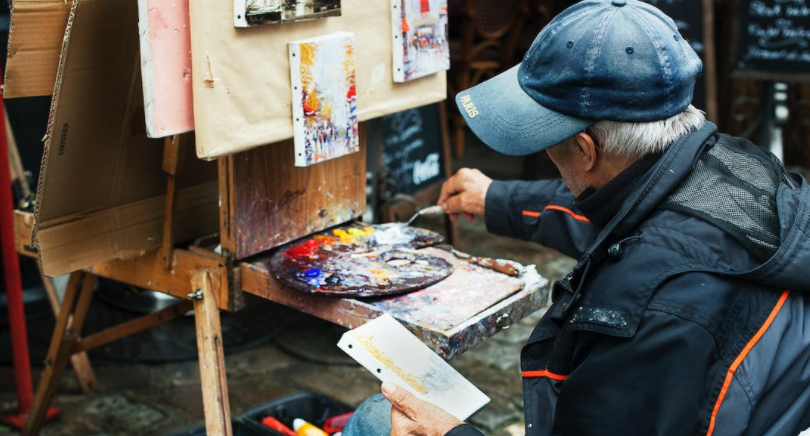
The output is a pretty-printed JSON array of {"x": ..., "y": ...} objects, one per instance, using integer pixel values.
[
  {"x": 241, "y": 76},
  {"x": 248, "y": 13},
  {"x": 393, "y": 354},
  {"x": 420, "y": 38},
  {"x": 165, "y": 43},
  {"x": 324, "y": 98}
]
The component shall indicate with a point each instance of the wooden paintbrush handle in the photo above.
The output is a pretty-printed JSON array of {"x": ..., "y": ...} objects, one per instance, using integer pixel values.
[{"x": 499, "y": 265}]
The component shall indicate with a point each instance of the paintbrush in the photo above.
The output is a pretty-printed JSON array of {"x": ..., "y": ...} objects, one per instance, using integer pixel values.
[
  {"x": 432, "y": 210},
  {"x": 512, "y": 269}
]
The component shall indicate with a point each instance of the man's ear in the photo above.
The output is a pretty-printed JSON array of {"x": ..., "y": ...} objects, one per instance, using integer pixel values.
[{"x": 588, "y": 150}]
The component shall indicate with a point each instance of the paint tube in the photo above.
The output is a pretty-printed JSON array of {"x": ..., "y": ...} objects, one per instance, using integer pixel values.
[
  {"x": 276, "y": 425},
  {"x": 335, "y": 424},
  {"x": 303, "y": 428}
]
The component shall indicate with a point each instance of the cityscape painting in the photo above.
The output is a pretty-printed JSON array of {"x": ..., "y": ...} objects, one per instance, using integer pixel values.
[
  {"x": 420, "y": 38},
  {"x": 322, "y": 73}
]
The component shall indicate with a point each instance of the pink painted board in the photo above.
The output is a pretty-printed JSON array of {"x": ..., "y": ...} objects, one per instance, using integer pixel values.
[{"x": 166, "y": 66}]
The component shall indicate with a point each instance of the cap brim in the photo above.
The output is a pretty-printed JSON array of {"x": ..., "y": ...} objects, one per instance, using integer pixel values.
[{"x": 509, "y": 121}]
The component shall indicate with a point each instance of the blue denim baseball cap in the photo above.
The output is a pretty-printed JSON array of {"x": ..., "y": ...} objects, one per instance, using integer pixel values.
[{"x": 619, "y": 60}]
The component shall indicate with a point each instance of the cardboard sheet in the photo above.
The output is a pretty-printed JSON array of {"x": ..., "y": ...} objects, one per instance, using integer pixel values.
[
  {"x": 35, "y": 37},
  {"x": 101, "y": 186},
  {"x": 241, "y": 77}
]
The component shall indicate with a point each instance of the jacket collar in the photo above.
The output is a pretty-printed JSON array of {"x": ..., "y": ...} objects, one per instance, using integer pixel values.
[{"x": 664, "y": 177}]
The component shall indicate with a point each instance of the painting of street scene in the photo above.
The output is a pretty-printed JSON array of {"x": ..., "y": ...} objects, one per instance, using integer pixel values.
[
  {"x": 420, "y": 38},
  {"x": 258, "y": 12},
  {"x": 324, "y": 98}
]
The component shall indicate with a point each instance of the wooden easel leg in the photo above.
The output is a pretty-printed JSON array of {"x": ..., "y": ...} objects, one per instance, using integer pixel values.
[
  {"x": 80, "y": 362},
  {"x": 64, "y": 339},
  {"x": 212, "y": 357}
]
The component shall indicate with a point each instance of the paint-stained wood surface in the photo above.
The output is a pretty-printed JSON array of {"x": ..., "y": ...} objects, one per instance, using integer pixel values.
[
  {"x": 36, "y": 33},
  {"x": 448, "y": 325},
  {"x": 273, "y": 202},
  {"x": 468, "y": 291}
]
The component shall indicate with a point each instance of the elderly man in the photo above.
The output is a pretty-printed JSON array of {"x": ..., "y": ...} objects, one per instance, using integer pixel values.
[{"x": 686, "y": 312}]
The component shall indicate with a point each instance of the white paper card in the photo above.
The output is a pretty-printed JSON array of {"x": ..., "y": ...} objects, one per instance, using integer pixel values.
[{"x": 392, "y": 353}]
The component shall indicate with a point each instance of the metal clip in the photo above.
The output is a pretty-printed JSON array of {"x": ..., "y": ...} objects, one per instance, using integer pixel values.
[{"x": 198, "y": 295}]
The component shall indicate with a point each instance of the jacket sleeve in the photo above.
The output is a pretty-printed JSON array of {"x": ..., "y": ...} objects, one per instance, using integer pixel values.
[
  {"x": 541, "y": 211},
  {"x": 464, "y": 430},
  {"x": 655, "y": 383}
]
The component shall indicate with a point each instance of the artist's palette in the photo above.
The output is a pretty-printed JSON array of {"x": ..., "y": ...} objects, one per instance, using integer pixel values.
[{"x": 361, "y": 261}]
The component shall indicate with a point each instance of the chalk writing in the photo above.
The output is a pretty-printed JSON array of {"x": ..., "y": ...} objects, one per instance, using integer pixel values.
[
  {"x": 411, "y": 149},
  {"x": 427, "y": 169},
  {"x": 774, "y": 35}
]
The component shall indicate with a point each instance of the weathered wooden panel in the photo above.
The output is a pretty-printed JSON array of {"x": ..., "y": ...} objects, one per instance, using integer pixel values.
[{"x": 274, "y": 202}]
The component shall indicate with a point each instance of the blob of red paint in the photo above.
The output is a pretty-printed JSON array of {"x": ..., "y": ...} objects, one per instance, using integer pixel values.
[{"x": 303, "y": 250}]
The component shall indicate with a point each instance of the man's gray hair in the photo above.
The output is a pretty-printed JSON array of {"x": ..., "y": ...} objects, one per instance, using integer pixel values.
[{"x": 635, "y": 140}]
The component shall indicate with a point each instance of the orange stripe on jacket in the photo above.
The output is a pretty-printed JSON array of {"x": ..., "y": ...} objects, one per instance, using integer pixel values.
[
  {"x": 533, "y": 214},
  {"x": 544, "y": 373},
  {"x": 742, "y": 355}
]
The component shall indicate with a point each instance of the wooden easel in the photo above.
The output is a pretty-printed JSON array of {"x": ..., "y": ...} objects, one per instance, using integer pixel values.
[
  {"x": 67, "y": 343},
  {"x": 208, "y": 281},
  {"x": 211, "y": 281}
]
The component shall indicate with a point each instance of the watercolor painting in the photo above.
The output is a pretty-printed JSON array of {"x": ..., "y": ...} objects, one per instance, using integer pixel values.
[
  {"x": 392, "y": 353},
  {"x": 249, "y": 13},
  {"x": 361, "y": 261},
  {"x": 421, "y": 44},
  {"x": 324, "y": 98}
]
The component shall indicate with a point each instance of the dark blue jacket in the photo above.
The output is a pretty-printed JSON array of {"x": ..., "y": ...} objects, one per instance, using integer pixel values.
[{"x": 686, "y": 314}]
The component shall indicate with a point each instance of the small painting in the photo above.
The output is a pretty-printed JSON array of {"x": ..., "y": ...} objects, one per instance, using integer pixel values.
[
  {"x": 322, "y": 73},
  {"x": 420, "y": 38},
  {"x": 247, "y": 13}
]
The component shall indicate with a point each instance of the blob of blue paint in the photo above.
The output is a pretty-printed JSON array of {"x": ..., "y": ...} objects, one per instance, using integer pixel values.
[{"x": 312, "y": 273}]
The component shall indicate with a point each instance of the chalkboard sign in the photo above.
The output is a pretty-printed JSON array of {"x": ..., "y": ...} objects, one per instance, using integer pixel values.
[
  {"x": 412, "y": 149},
  {"x": 773, "y": 39},
  {"x": 694, "y": 22}
]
